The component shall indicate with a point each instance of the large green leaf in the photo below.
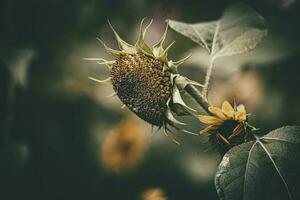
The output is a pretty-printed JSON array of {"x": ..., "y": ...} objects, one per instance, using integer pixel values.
[
  {"x": 238, "y": 31},
  {"x": 201, "y": 33},
  {"x": 267, "y": 168}
]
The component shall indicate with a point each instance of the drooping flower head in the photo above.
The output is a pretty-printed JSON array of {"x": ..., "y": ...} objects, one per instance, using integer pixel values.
[
  {"x": 146, "y": 81},
  {"x": 227, "y": 125}
]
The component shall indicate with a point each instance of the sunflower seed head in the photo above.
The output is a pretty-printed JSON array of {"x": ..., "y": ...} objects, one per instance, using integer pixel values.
[
  {"x": 142, "y": 85},
  {"x": 147, "y": 82}
]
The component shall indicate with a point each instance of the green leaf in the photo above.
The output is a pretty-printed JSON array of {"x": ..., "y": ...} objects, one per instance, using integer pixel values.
[
  {"x": 201, "y": 33},
  {"x": 238, "y": 31},
  {"x": 268, "y": 168}
]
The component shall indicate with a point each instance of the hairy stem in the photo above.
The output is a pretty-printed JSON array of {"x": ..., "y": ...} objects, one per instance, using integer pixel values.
[
  {"x": 207, "y": 79},
  {"x": 199, "y": 98}
]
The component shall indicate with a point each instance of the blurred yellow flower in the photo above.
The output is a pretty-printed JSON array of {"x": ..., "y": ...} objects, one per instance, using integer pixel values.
[
  {"x": 123, "y": 146},
  {"x": 153, "y": 194},
  {"x": 227, "y": 122}
]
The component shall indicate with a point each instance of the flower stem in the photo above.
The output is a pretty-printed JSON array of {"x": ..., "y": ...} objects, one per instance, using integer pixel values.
[
  {"x": 207, "y": 79},
  {"x": 199, "y": 98}
]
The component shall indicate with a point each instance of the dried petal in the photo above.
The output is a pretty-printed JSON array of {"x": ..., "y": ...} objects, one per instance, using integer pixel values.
[
  {"x": 228, "y": 109},
  {"x": 217, "y": 112},
  {"x": 210, "y": 120}
]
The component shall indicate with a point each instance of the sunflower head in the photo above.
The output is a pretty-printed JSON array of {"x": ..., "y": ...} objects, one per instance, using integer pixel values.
[
  {"x": 146, "y": 81},
  {"x": 123, "y": 147},
  {"x": 227, "y": 125},
  {"x": 142, "y": 85},
  {"x": 153, "y": 194}
]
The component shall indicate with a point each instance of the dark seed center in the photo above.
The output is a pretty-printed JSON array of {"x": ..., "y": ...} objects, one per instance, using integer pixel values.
[
  {"x": 226, "y": 129},
  {"x": 142, "y": 86}
]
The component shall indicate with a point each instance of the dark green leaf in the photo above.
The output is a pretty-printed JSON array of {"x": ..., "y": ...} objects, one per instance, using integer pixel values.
[{"x": 268, "y": 168}]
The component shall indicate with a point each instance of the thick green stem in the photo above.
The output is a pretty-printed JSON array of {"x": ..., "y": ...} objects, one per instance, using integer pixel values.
[{"x": 199, "y": 98}]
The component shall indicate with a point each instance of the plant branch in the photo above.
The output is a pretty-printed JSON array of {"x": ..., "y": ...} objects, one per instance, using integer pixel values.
[
  {"x": 199, "y": 98},
  {"x": 207, "y": 79}
]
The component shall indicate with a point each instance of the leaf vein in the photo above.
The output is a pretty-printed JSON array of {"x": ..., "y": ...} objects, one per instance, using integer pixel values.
[
  {"x": 277, "y": 169},
  {"x": 247, "y": 166}
]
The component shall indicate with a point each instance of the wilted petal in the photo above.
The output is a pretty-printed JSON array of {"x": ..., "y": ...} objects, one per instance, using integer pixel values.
[
  {"x": 241, "y": 115},
  {"x": 221, "y": 139},
  {"x": 181, "y": 61},
  {"x": 241, "y": 108},
  {"x": 163, "y": 55},
  {"x": 236, "y": 131},
  {"x": 105, "y": 81},
  {"x": 177, "y": 99},
  {"x": 210, "y": 120},
  {"x": 217, "y": 112},
  {"x": 207, "y": 129},
  {"x": 171, "y": 118},
  {"x": 141, "y": 44},
  {"x": 113, "y": 52},
  {"x": 158, "y": 48},
  {"x": 122, "y": 44},
  {"x": 228, "y": 109}
]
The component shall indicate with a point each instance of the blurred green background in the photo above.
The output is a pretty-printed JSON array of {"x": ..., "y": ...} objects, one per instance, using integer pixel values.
[{"x": 55, "y": 123}]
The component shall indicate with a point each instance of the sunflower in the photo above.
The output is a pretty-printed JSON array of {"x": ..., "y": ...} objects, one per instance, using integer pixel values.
[
  {"x": 153, "y": 194},
  {"x": 146, "y": 81},
  {"x": 228, "y": 124},
  {"x": 123, "y": 147}
]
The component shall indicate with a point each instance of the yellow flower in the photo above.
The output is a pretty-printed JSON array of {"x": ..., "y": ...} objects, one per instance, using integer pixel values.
[
  {"x": 123, "y": 147},
  {"x": 153, "y": 194},
  {"x": 227, "y": 122}
]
